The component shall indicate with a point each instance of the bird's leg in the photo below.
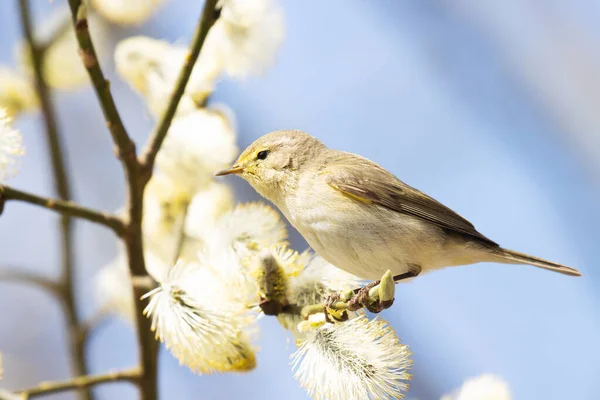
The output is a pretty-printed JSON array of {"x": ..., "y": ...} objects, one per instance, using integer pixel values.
[
  {"x": 413, "y": 271},
  {"x": 406, "y": 275}
]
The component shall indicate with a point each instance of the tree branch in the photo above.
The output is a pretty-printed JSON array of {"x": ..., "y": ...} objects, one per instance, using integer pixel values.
[
  {"x": 133, "y": 238},
  {"x": 124, "y": 145},
  {"x": 46, "y": 388},
  {"x": 136, "y": 177},
  {"x": 375, "y": 297},
  {"x": 111, "y": 221},
  {"x": 125, "y": 148},
  {"x": 209, "y": 16},
  {"x": 62, "y": 186},
  {"x": 14, "y": 275},
  {"x": 49, "y": 115}
]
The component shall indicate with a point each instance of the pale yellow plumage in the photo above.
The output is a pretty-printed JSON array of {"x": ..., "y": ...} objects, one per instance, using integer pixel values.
[{"x": 360, "y": 217}]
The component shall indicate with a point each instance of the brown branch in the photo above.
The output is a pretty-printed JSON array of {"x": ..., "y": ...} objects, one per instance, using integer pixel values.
[
  {"x": 62, "y": 187},
  {"x": 59, "y": 171},
  {"x": 136, "y": 176},
  {"x": 57, "y": 290},
  {"x": 14, "y": 275},
  {"x": 79, "y": 331},
  {"x": 209, "y": 16},
  {"x": 125, "y": 149},
  {"x": 83, "y": 382},
  {"x": 375, "y": 297},
  {"x": 124, "y": 145},
  {"x": 69, "y": 208}
]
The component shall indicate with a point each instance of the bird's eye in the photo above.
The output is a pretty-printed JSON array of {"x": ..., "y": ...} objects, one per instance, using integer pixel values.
[{"x": 262, "y": 154}]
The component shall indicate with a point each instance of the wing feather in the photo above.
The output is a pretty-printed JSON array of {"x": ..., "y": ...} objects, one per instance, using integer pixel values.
[{"x": 363, "y": 180}]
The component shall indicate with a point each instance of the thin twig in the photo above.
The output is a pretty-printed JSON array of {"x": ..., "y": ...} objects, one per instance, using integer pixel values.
[
  {"x": 62, "y": 186},
  {"x": 83, "y": 329},
  {"x": 133, "y": 238},
  {"x": 46, "y": 388},
  {"x": 124, "y": 145},
  {"x": 14, "y": 275},
  {"x": 136, "y": 177},
  {"x": 111, "y": 221},
  {"x": 59, "y": 170},
  {"x": 208, "y": 18}
]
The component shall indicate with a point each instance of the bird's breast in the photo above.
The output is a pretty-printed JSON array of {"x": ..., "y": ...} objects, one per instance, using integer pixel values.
[{"x": 360, "y": 238}]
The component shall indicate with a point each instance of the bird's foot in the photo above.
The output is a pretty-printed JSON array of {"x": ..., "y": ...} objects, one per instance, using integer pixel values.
[{"x": 362, "y": 299}]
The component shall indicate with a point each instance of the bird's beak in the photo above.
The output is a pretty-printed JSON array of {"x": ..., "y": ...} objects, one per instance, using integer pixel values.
[{"x": 233, "y": 170}]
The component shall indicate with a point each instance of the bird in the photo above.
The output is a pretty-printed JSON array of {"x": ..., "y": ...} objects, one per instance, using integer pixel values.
[{"x": 360, "y": 217}]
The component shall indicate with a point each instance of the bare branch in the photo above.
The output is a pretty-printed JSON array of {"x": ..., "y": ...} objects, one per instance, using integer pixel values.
[
  {"x": 46, "y": 388},
  {"x": 49, "y": 115},
  {"x": 208, "y": 18},
  {"x": 136, "y": 177},
  {"x": 125, "y": 148},
  {"x": 61, "y": 182},
  {"x": 375, "y": 297},
  {"x": 132, "y": 236},
  {"x": 30, "y": 278},
  {"x": 111, "y": 221},
  {"x": 87, "y": 52}
]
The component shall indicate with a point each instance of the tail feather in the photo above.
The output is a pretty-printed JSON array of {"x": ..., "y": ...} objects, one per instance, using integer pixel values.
[{"x": 514, "y": 257}]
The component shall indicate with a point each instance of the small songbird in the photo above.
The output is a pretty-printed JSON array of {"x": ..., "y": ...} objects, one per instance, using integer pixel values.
[{"x": 360, "y": 217}]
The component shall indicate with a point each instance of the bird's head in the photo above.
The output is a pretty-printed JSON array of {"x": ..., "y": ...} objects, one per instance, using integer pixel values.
[{"x": 272, "y": 163}]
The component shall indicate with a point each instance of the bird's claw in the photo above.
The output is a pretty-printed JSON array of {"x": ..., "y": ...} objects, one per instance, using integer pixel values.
[{"x": 362, "y": 299}]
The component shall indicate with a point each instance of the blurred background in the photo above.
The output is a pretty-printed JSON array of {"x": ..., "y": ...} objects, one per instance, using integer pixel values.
[{"x": 489, "y": 107}]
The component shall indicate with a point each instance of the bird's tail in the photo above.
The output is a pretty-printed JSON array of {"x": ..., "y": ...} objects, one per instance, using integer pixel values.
[{"x": 514, "y": 257}]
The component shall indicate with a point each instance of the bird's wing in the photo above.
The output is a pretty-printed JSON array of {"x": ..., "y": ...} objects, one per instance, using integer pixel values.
[{"x": 365, "y": 181}]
